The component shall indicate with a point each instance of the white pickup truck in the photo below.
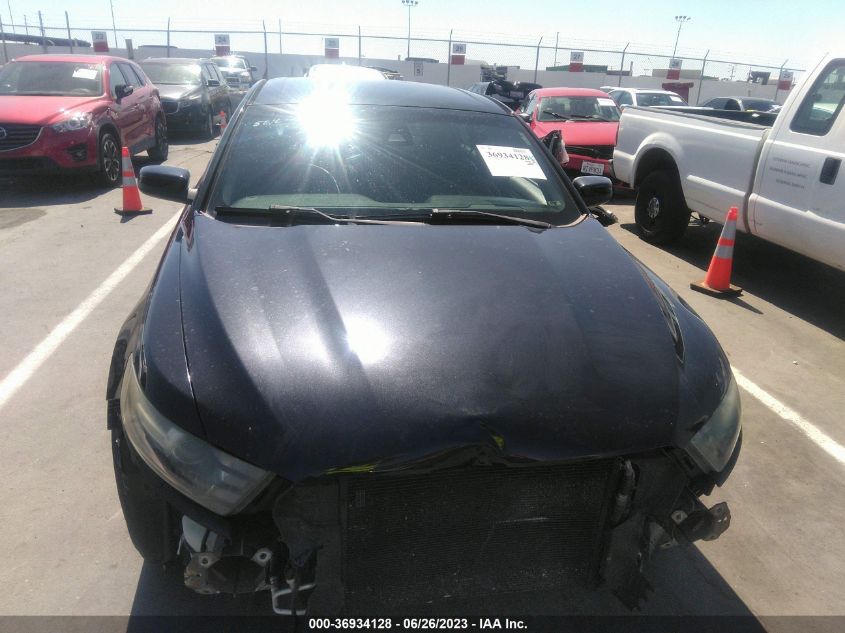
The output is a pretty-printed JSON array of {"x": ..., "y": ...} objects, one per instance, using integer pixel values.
[{"x": 785, "y": 179}]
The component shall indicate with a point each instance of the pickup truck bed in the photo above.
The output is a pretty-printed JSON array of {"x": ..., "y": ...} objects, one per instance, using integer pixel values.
[
  {"x": 782, "y": 171},
  {"x": 726, "y": 151}
]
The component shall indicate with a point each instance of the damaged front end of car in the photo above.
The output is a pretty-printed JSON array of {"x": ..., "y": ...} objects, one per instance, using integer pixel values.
[{"x": 468, "y": 522}]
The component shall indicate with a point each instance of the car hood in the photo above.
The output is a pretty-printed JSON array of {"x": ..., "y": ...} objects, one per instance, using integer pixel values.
[
  {"x": 580, "y": 132},
  {"x": 312, "y": 348},
  {"x": 37, "y": 110},
  {"x": 176, "y": 91}
]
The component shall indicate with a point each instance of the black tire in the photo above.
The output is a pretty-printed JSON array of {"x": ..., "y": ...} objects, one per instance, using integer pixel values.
[
  {"x": 149, "y": 519},
  {"x": 208, "y": 128},
  {"x": 111, "y": 168},
  {"x": 161, "y": 149},
  {"x": 660, "y": 211}
]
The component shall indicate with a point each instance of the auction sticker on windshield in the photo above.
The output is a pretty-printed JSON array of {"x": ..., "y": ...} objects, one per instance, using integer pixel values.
[
  {"x": 85, "y": 73},
  {"x": 605, "y": 102},
  {"x": 510, "y": 161}
]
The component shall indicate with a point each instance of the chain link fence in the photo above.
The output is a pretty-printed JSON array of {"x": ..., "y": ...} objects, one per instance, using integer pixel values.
[{"x": 280, "y": 51}]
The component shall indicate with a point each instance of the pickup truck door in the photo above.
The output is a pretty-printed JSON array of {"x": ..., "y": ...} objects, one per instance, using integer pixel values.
[{"x": 798, "y": 199}]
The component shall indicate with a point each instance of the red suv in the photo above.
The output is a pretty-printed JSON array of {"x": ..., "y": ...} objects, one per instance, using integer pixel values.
[
  {"x": 587, "y": 119},
  {"x": 61, "y": 112}
]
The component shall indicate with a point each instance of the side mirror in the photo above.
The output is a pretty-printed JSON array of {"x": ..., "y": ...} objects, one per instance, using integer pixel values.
[
  {"x": 212, "y": 83},
  {"x": 525, "y": 116},
  {"x": 253, "y": 69},
  {"x": 123, "y": 90},
  {"x": 594, "y": 190},
  {"x": 168, "y": 183}
]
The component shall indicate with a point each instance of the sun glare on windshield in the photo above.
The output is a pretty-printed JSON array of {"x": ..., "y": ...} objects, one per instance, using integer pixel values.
[{"x": 325, "y": 116}]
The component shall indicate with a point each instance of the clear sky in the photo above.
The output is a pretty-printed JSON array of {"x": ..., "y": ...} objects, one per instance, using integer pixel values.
[{"x": 755, "y": 30}]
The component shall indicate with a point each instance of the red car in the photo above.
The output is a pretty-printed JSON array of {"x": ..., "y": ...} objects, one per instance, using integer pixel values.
[
  {"x": 587, "y": 120},
  {"x": 63, "y": 112}
]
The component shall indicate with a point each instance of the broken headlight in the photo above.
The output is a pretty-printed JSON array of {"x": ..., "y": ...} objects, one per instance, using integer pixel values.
[
  {"x": 712, "y": 446},
  {"x": 216, "y": 480}
]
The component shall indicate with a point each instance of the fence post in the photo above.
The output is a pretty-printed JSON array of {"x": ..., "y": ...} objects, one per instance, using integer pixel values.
[
  {"x": 537, "y": 60},
  {"x": 280, "y": 36},
  {"x": 168, "y": 37},
  {"x": 777, "y": 83},
  {"x": 557, "y": 35},
  {"x": 622, "y": 64},
  {"x": 25, "y": 24},
  {"x": 266, "y": 57},
  {"x": 69, "y": 38},
  {"x": 701, "y": 79},
  {"x": 359, "y": 45},
  {"x": 43, "y": 38},
  {"x": 3, "y": 35},
  {"x": 449, "y": 60}
]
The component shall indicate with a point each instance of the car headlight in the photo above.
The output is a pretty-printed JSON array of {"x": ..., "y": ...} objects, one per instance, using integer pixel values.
[
  {"x": 216, "y": 480},
  {"x": 245, "y": 76},
  {"x": 712, "y": 446},
  {"x": 184, "y": 102},
  {"x": 76, "y": 122}
]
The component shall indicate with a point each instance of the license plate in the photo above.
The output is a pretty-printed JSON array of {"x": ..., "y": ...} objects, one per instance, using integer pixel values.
[{"x": 596, "y": 169}]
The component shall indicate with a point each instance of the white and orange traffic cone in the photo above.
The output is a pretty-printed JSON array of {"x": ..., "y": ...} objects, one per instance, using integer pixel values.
[
  {"x": 717, "y": 281},
  {"x": 131, "y": 195},
  {"x": 223, "y": 121}
]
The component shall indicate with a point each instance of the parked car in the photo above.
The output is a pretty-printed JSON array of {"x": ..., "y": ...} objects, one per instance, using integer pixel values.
[
  {"x": 587, "y": 120},
  {"x": 784, "y": 179},
  {"x": 74, "y": 112},
  {"x": 238, "y": 73},
  {"x": 749, "y": 104},
  {"x": 503, "y": 91},
  {"x": 410, "y": 345},
  {"x": 645, "y": 97},
  {"x": 193, "y": 93}
]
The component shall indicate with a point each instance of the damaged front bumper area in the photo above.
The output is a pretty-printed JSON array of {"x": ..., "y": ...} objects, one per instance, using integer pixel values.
[{"x": 348, "y": 542}]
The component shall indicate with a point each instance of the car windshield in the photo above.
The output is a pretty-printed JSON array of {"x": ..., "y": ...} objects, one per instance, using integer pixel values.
[
  {"x": 161, "y": 73},
  {"x": 588, "y": 107},
  {"x": 387, "y": 160},
  {"x": 649, "y": 99},
  {"x": 54, "y": 79},
  {"x": 229, "y": 62}
]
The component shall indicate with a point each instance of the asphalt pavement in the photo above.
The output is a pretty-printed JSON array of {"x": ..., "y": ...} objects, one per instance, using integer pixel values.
[{"x": 71, "y": 269}]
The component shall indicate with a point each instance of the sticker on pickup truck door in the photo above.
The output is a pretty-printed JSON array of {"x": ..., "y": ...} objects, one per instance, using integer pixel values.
[{"x": 510, "y": 161}]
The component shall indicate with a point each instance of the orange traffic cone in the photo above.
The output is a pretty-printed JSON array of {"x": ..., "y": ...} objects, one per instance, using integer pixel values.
[
  {"x": 223, "y": 122},
  {"x": 717, "y": 281},
  {"x": 131, "y": 196}
]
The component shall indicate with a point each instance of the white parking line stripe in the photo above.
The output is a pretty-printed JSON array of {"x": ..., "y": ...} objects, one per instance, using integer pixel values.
[
  {"x": 18, "y": 377},
  {"x": 814, "y": 433}
]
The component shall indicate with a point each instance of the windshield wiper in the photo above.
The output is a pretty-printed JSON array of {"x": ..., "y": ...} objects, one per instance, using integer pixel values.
[
  {"x": 446, "y": 216},
  {"x": 556, "y": 115},
  {"x": 288, "y": 214},
  {"x": 589, "y": 117}
]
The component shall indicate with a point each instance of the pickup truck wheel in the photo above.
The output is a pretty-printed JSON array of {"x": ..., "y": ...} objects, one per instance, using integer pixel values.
[
  {"x": 149, "y": 519},
  {"x": 661, "y": 212}
]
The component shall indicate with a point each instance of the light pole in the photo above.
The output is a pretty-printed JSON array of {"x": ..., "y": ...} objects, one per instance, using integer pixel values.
[
  {"x": 113, "y": 27},
  {"x": 681, "y": 20},
  {"x": 410, "y": 4},
  {"x": 11, "y": 17}
]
